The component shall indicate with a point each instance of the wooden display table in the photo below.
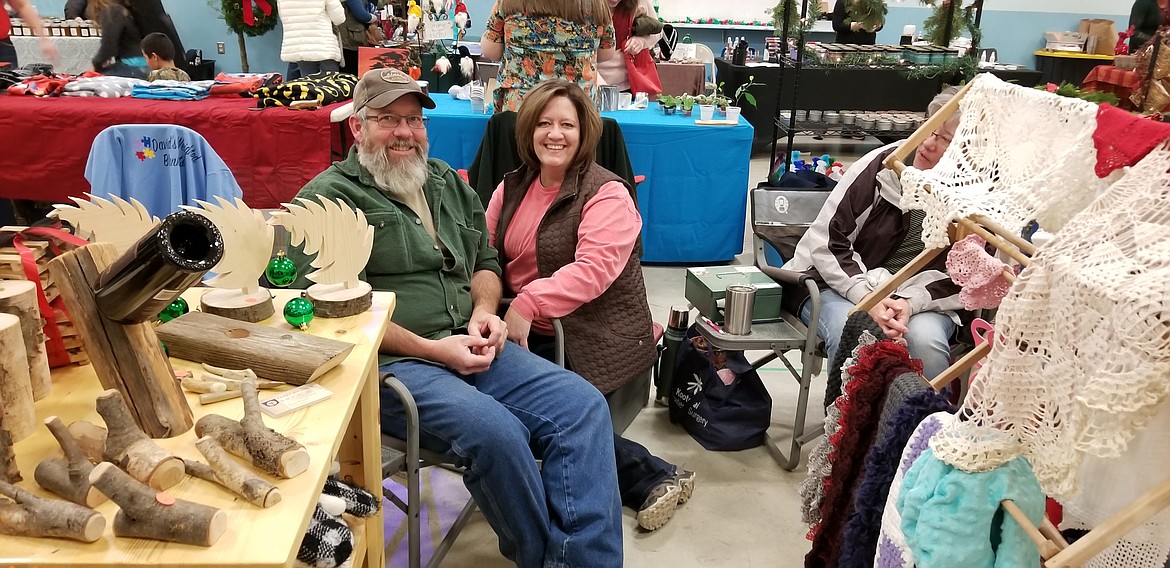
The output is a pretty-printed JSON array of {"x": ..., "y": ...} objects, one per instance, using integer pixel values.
[{"x": 344, "y": 425}]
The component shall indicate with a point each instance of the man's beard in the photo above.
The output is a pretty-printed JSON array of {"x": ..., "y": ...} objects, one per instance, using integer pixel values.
[{"x": 398, "y": 177}]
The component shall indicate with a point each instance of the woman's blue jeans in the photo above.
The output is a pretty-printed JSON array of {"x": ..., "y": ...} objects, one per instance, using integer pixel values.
[
  {"x": 493, "y": 424},
  {"x": 929, "y": 337},
  {"x": 638, "y": 470}
]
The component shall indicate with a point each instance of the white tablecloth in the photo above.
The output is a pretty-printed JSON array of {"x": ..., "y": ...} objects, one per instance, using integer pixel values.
[{"x": 76, "y": 53}]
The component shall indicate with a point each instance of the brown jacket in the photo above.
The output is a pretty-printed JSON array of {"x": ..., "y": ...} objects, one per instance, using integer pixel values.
[{"x": 609, "y": 340}]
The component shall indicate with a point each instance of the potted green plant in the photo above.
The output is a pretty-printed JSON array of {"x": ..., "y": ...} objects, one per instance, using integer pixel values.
[
  {"x": 687, "y": 104},
  {"x": 719, "y": 99},
  {"x": 668, "y": 103},
  {"x": 742, "y": 92}
]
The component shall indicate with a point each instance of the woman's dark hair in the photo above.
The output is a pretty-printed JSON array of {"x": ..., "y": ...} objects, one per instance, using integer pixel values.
[
  {"x": 589, "y": 122},
  {"x": 158, "y": 44}
]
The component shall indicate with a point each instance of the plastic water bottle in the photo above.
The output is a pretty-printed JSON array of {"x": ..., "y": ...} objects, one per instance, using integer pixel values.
[{"x": 676, "y": 333}]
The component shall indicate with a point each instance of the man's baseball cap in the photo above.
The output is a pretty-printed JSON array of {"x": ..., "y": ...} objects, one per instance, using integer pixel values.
[{"x": 380, "y": 87}]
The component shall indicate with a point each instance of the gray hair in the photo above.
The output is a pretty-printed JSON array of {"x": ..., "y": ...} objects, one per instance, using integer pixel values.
[{"x": 941, "y": 99}]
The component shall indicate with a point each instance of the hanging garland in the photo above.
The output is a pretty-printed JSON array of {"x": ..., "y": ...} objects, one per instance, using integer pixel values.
[
  {"x": 963, "y": 19},
  {"x": 717, "y": 22},
  {"x": 249, "y": 17},
  {"x": 806, "y": 24}
]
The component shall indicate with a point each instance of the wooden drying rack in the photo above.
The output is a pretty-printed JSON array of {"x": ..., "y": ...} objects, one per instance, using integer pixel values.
[{"x": 1053, "y": 549}]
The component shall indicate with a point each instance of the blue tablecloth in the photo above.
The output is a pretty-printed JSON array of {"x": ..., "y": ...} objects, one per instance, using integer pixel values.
[{"x": 694, "y": 199}]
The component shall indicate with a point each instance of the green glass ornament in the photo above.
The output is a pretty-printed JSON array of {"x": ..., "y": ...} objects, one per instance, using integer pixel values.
[
  {"x": 174, "y": 310},
  {"x": 281, "y": 271},
  {"x": 298, "y": 312}
]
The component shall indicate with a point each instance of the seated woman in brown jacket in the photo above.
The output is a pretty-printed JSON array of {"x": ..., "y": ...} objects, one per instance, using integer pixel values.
[{"x": 567, "y": 232}]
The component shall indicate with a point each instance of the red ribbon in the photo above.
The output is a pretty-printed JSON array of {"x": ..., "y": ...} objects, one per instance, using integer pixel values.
[
  {"x": 249, "y": 17},
  {"x": 54, "y": 344}
]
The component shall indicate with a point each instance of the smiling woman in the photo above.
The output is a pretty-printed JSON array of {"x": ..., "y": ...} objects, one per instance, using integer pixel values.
[{"x": 567, "y": 232}]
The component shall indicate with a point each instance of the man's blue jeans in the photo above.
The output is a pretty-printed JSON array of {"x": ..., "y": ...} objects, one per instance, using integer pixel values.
[
  {"x": 929, "y": 337},
  {"x": 493, "y": 424}
]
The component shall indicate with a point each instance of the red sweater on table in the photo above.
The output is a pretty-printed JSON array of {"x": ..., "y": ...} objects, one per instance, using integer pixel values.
[{"x": 609, "y": 227}]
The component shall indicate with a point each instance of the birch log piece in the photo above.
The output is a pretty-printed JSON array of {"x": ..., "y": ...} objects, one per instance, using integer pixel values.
[
  {"x": 19, "y": 298},
  {"x": 67, "y": 478},
  {"x": 337, "y": 301},
  {"x": 223, "y": 470},
  {"x": 30, "y": 515},
  {"x": 9, "y": 471},
  {"x": 250, "y": 439},
  {"x": 130, "y": 448},
  {"x": 15, "y": 388},
  {"x": 273, "y": 353},
  {"x": 146, "y": 513},
  {"x": 239, "y": 305},
  {"x": 126, "y": 357}
]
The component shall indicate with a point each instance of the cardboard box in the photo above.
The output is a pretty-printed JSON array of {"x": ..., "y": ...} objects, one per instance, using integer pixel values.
[
  {"x": 706, "y": 287},
  {"x": 1065, "y": 41}
]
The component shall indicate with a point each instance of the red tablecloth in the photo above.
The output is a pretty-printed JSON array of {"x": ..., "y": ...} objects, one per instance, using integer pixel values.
[{"x": 44, "y": 142}]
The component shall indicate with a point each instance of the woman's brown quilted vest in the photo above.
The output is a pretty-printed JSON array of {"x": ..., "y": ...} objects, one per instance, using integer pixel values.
[{"x": 609, "y": 340}]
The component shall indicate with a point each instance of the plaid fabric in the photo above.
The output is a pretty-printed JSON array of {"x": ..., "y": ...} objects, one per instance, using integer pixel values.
[
  {"x": 1107, "y": 78},
  {"x": 358, "y": 501},
  {"x": 328, "y": 542}
]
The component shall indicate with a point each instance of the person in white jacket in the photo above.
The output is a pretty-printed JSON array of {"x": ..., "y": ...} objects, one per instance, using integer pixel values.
[{"x": 309, "y": 40}]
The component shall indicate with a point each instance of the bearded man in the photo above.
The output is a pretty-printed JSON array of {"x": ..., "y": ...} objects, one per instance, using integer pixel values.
[{"x": 492, "y": 407}]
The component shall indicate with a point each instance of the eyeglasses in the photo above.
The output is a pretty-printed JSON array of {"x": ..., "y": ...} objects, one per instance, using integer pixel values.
[
  {"x": 940, "y": 139},
  {"x": 391, "y": 121}
]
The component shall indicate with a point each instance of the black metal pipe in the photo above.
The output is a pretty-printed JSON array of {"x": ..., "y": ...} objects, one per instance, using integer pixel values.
[{"x": 172, "y": 257}]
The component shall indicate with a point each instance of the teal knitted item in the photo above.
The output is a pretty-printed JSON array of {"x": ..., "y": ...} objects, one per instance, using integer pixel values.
[{"x": 950, "y": 517}]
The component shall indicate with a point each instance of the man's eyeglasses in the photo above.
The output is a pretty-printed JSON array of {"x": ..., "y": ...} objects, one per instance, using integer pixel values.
[{"x": 391, "y": 121}]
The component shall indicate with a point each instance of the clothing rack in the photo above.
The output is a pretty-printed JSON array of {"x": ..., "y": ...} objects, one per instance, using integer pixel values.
[{"x": 1052, "y": 547}]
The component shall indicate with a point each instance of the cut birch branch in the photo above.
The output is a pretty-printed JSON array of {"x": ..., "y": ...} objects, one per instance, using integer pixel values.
[
  {"x": 9, "y": 470},
  {"x": 91, "y": 438},
  {"x": 15, "y": 387},
  {"x": 233, "y": 383},
  {"x": 249, "y": 438},
  {"x": 146, "y": 513},
  {"x": 129, "y": 447},
  {"x": 67, "y": 478},
  {"x": 223, "y": 470},
  {"x": 202, "y": 387},
  {"x": 19, "y": 298},
  {"x": 47, "y": 518},
  {"x": 214, "y": 397}
]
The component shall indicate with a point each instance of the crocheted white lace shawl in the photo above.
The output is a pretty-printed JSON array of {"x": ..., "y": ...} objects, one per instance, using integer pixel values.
[
  {"x": 1116, "y": 483},
  {"x": 1019, "y": 154},
  {"x": 1081, "y": 357}
]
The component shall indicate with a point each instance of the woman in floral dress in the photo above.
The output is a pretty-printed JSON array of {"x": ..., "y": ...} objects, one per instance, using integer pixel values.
[{"x": 537, "y": 40}]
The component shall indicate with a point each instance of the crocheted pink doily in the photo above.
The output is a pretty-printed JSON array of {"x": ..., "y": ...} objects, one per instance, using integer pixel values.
[{"x": 978, "y": 273}]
